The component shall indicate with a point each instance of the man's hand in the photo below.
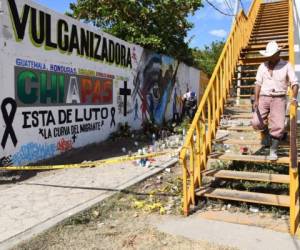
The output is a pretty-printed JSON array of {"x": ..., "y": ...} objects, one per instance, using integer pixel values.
[
  {"x": 255, "y": 105},
  {"x": 257, "y": 93},
  {"x": 294, "y": 101},
  {"x": 295, "y": 89}
]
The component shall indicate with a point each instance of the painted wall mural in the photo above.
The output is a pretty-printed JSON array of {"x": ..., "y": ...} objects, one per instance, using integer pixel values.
[
  {"x": 66, "y": 84},
  {"x": 154, "y": 84}
]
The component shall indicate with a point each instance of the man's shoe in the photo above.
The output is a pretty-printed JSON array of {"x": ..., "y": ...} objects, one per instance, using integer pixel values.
[
  {"x": 273, "y": 150},
  {"x": 273, "y": 155}
]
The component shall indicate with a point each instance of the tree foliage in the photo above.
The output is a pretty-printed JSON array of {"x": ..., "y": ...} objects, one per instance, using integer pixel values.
[
  {"x": 159, "y": 25},
  {"x": 207, "y": 58}
]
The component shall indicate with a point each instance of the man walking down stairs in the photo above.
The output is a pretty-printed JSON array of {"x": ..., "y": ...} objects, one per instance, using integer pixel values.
[{"x": 272, "y": 81}]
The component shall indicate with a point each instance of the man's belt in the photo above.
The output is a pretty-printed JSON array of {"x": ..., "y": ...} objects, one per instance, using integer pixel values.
[{"x": 274, "y": 95}]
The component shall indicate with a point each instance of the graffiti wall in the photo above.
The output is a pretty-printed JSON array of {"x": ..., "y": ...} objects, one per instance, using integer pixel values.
[{"x": 65, "y": 84}]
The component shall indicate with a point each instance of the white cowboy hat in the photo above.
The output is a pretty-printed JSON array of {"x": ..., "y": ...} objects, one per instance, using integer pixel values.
[{"x": 271, "y": 49}]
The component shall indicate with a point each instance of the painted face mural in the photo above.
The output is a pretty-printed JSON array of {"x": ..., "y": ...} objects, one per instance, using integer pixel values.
[{"x": 154, "y": 84}]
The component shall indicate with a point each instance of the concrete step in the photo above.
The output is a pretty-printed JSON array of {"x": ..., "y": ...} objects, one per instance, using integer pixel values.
[
  {"x": 267, "y": 4},
  {"x": 231, "y": 102},
  {"x": 262, "y": 15},
  {"x": 272, "y": 13},
  {"x": 264, "y": 42},
  {"x": 260, "y": 59},
  {"x": 245, "y": 87},
  {"x": 249, "y": 176},
  {"x": 239, "y": 128},
  {"x": 269, "y": 37},
  {"x": 255, "y": 53},
  {"x": 249, "y": 158},
  {"x": 274, "y": 5},
  {"x": 247, "y": 71},
  {"x": 276, "y": 19},
  {"x": 239, "y": 110},
  {"x": 263, "y": 39},
  {"x": 267, "y": 29},
  {"x": 256, "y": 142},
  {"x": 263, "y": 46},
  {"x": 270, "y": 24},
  {"x": 269, "y": 32},
  {"x": 273, "y": 22},
  {"x": 273, "y": 35},
  {"x": 245, "y": 78},
  {"x": 259, "y": 198},
  {"x": 240, "y": 116}
]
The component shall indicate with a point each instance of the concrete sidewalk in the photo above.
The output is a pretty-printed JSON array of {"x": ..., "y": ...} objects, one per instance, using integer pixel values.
[
  {"x": 223, "y": 233},
  {"x": 39, "y": 203}
]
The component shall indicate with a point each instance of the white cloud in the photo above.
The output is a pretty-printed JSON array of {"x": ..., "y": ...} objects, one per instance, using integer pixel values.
[{"x": 219, "y": 33}]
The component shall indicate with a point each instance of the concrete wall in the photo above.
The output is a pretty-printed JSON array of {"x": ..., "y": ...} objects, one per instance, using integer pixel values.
[{"x": 65, "y": 84}]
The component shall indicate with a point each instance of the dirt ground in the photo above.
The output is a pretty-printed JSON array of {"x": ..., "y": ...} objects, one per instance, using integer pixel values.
[{"x": 124, "y": 221}]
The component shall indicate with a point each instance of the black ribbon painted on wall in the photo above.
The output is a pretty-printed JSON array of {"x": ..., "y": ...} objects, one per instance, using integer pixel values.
[
  {"x": 8, "y": 117},
  {"x": 113, "y": 112}
]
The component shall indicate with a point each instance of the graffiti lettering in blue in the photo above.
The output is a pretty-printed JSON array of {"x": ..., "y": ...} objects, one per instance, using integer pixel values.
[
  {"x": 30, "y": 64},
  {"x": 62, "y": 69},
  {"x": 33, "y": 152}
]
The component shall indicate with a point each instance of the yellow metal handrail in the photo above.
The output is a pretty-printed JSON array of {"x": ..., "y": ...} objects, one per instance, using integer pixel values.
[
  {"x": 198, "y": 144},
  {"x": 293, "y": 168}
]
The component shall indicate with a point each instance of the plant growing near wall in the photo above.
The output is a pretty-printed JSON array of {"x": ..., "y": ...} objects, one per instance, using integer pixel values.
[
  {"x": 157, "y": 25},
  {"x": 123, "y": 131},
  {"x": 207, "y": 58}
]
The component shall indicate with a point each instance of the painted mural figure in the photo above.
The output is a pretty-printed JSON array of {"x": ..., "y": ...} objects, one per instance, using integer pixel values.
[
  {"x": 136, "y": 109},
  {"x": 175, "y": 109},
  {"x": 154, "y": 84}
]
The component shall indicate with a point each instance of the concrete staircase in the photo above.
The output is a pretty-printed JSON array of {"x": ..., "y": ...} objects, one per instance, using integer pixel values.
[{"x": 271, "y": 22}]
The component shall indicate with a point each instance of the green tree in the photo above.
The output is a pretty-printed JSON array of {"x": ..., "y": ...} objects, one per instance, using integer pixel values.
[
  {"x": 207, "y": 58},
  {"x": 154, "y": 24}
]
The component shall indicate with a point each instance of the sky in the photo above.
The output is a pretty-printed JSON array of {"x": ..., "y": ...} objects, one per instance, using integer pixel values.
[{"x": 209, "y": 24}]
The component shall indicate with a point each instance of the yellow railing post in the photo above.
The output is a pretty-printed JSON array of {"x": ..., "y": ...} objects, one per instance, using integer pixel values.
[
  {"x": 192, "y": 171},
  {"x": 218, "y": 99},
  {"x": 291, "y": 33},
  {"x": 209, "y": 131},
  {"x": 214, "y": 111},
  {"x": 198, "y": 154},
  {"x": 185, "y": 187},
  {"x": 203, "y": 130},
  {"x": 293, "y": 168}
]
